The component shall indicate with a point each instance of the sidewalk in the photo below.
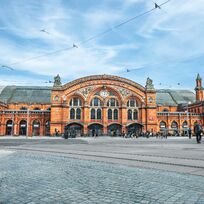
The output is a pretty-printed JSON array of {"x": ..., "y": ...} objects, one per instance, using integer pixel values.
[
  {"x": 29, "y": 137},
  {"x": 92, "y": 138}
]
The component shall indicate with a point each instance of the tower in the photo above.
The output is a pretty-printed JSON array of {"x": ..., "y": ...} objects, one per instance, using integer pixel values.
[{"x": 199, "y": 89}]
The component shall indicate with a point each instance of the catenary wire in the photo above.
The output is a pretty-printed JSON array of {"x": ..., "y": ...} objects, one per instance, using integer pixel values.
[{"x": 89, "y": 39}]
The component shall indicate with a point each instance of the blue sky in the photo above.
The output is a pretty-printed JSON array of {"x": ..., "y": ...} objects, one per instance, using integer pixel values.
[{"x": 165, "y": 45}]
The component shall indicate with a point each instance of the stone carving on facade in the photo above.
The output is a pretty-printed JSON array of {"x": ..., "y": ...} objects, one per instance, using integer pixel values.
[
  {"x": 85, "y": 91},
  {"x": 57, "y": 81},
  {"x": 149, "y": 84},
  {"x": 124, "y": 92}
]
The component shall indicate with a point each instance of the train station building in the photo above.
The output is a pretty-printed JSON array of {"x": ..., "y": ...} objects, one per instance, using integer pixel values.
[{"x": 103, "y": 104}]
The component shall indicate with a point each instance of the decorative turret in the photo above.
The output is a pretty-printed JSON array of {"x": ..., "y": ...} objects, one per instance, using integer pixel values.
[
  {"x": 199, "y": 89},
  {"x": 149, "y": 85},
  {"x": 57, "y": 81}
]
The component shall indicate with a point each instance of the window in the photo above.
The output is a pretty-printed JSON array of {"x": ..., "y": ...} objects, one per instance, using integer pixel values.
[
  {"x": 95, "y": 102},
  {"x": 115, "y": 114},
  {"x": 78, "y": 113},
  {"x": 72, "y": 114},
  {"x": 110, "y": 114},
  {"x": 75, "y": 102},
  {"x": 96, "y": 112},
  {"x": 174, "y": 125},
  {"x": 23, "y": 108},
  {"x": 185, "y": 124},
  {"x": 112, "y": 102},
  {"x": 93, "y": 113},
  {"x": 135, "y": 115},
  {"x": 132, "y": 103},
  {"x": 129, "y": 114},
  {"x": 99, "y": 114},
  {"x": 162, "y": 125}
]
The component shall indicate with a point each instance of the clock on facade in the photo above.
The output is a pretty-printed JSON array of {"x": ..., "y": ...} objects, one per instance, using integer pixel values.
[{"x": 104, "y": 93}]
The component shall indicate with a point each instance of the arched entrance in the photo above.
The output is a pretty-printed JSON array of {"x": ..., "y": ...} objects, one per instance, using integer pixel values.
[
  {"x": 95, "y": 129},
  {"x": 36, "y": 128},
  {"x": 114, "y": 130},
  {"x": 185, "y": 128},
  {"x": 135, "y": 128},
  {"x": 22, "y": 127},
  {"x": 47, "y": 128},
  {"x": 73, "y": 130},
  {"x": 9, "y": 127}
]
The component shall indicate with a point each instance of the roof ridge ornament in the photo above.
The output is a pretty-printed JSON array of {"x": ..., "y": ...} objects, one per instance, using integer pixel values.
[
  {"x": 149, "y": 84},
  {"x": 198, "y": 77},
  {"x": 57, "y": 81}
]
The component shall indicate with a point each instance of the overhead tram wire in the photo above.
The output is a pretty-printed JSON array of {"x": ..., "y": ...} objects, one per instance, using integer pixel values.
[{"x": 75, "y": 45}]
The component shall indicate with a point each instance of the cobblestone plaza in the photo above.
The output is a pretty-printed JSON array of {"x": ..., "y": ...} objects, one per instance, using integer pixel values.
[{"x": 44, "y": 171}]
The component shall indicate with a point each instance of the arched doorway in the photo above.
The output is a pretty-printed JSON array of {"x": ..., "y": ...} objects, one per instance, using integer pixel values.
[
  {"x": 95, "y": 129},
  {"x": 9, "y": 127},
  {"x": 174, "y": 128},
  {"x": 47, "y": 128},
  {"x": 114, "y": 130},
  {"x": 73, "y": 130},
  {"x": 185, "y": 128},
  {"x": 135, "y": 128},
  {"x": 36, "y": 128},
  {"x": 22, "y": 127}
]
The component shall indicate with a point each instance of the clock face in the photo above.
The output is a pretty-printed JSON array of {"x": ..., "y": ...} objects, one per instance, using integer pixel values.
[{"x": 104, "y": 94}]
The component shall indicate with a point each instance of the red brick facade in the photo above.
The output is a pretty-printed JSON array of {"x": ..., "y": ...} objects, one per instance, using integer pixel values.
[{"x": 102, "y": 104}]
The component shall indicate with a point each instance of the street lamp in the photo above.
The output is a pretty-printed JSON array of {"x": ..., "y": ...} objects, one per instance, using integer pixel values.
[{"x": 188, "y": 118}]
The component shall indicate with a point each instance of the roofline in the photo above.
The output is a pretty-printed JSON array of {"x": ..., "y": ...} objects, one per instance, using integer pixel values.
[{"x": 102, "y": 77}]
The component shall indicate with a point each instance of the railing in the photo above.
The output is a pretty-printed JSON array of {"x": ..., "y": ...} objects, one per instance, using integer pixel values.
[
  {"x": 24, "y": 111},
  {"x": 178, "y": 114}
]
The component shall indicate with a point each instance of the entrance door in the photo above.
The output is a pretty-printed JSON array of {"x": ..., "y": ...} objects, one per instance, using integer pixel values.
[
  {"x": 95, "y": 130},
  {"x": 9, "y": 127},
  {"x": 36, "y": 128},
  {"x": 23, "y": 127},
  {"x": 114, "y": 130},
  {"x": 73, "y": 130},
  {"x": 134, "y": 128}
]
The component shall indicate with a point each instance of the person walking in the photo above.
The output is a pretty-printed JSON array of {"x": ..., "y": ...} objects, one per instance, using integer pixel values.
[
  {"x": 189, "y": 133},
  {"x": 198, "y": 131}
]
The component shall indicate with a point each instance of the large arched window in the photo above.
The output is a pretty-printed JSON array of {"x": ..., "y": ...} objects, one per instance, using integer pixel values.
[
  {"x": 132, "y": 103},
  {"x": 96, "y": 111},
  {"x": 132, "y": 112},
  {"x": 95, "y": 102},
  {"x": 75, "y": 102},
  {"x": 112, "y": 103},
  {"x": 110, "y": 113},
  {"x": 75, "y": 111}
]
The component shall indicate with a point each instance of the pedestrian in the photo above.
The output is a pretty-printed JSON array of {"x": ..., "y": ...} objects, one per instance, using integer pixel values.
[
  {"x": 189, "y": 133},
  {"x": 198, "y": 131},
  {"x": 93, "y": 132}
]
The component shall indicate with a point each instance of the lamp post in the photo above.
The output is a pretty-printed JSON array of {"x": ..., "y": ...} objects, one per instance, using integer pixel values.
[
  {"x": 27, "y": 129},
  {"x": 188, "y": 118}
]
